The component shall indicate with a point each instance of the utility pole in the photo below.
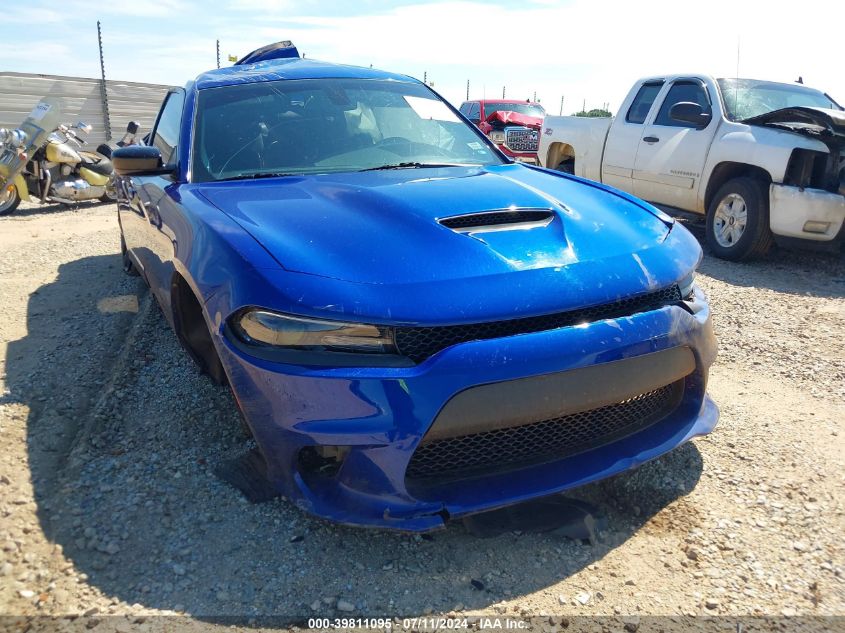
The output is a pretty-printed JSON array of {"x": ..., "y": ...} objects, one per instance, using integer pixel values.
[
  {"x": 467, "y": 89},
  {"x": 425, "y": 77},
  {"x": 503, "y": 92},
  {"x": 103, "y": 88},
  {"x": 218, "y": 53},
  {"x": 535, "y": 96},
  {"x": 584, "y": 106},
  {"x": 561, "y": 105}
]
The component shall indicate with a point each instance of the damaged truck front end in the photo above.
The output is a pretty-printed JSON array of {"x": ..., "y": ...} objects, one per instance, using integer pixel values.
[
  {"x": 810, "y": 203},
  {"x": 516, "y": 134}
]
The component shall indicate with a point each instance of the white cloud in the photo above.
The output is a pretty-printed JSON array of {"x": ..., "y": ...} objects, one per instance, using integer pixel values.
[
  {"x": 30, "y": 15},
  {"x": 12, "y": 53},
  {"x": 578, "y": 49}
]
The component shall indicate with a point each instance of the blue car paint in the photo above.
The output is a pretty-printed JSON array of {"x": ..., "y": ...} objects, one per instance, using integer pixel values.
[{"x": 367, "y": 247}]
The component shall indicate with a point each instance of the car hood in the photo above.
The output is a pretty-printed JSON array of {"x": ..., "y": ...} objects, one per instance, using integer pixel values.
[
  {"x": 823, "y": 124},
  {"x": 388, "y": 227}
]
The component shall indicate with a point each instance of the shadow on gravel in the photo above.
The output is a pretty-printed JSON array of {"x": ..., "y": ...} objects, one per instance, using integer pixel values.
[
  {"x": 123, "y": 438},
  {"x": 792, "y": 271},
  {"x": 33, "y": 209}
]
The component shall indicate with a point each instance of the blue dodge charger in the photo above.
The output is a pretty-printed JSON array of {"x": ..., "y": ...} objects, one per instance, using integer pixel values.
[{"x": 414, "y": 327}]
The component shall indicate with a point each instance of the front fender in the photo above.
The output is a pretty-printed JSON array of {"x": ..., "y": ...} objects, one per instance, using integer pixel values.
[{"x": 20, "y": 185}]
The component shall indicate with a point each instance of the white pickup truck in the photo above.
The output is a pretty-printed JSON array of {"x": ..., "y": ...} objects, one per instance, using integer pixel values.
[{"x": 760, "y": 159}]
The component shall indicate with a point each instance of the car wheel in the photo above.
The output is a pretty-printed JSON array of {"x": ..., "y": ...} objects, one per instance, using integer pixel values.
[
  {"x": 9, "y": 199},
  {"x": 738, "y": 220},
  {"x": 567, "y": 166},
  {"x": 128, "y": 266}
]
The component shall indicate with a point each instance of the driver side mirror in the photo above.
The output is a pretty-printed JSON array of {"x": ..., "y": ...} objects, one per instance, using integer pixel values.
[
  {"x": 139, "y": 160},
  {"x": 689, "y": 112}
]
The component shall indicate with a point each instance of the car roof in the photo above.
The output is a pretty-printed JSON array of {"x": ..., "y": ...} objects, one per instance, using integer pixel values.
[{"x": 295, "y": 68}]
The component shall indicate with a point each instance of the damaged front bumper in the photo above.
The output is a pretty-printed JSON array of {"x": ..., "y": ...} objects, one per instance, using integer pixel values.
[
  {"x": 805, "y": 213},
  {"x": 374, "y": 419}
]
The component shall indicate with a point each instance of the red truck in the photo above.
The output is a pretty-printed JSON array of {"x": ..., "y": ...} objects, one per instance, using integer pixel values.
[{"x": 512, "y": 125}]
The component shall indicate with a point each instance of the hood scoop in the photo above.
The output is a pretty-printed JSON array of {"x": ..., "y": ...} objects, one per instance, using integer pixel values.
[{"x": 499, "y": 220}]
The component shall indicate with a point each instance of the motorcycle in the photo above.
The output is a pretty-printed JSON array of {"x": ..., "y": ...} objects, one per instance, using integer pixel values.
[
  {"x": 114, "y": 187},
  {"x": 44, "y": 157},
  {"x": 128, "y": 139}
]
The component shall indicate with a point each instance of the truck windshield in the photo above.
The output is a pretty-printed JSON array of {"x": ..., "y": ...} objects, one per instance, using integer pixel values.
[
  {"x": 313, "y": 126},
  {"x": 528, "y": 109},
  {"x": 747, "y": 98}
]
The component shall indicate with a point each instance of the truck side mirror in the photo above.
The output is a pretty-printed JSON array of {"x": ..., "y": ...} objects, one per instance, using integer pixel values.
[{"x": 689, "y": 112}]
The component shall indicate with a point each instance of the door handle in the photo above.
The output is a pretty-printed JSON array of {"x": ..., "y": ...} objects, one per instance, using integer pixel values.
[{"x": 651, "y": 139}]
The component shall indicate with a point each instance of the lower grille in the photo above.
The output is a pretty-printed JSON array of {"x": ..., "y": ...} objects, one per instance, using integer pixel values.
[
  {"x": 522, "y": 139},
  {"x": 516, "y": 447},
  {"x": 419, "y": 343}
]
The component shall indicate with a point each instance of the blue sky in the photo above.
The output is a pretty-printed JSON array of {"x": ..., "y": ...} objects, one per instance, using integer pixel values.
[{"x": 587, "y": 52}]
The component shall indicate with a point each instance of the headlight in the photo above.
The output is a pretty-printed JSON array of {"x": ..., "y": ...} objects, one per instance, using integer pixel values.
[
  {"x": 686, "y": 286},
  {"x": 497, "y": 136},
  {"x": 13, "y": 138},
  {"x": 261, "y": 327}
]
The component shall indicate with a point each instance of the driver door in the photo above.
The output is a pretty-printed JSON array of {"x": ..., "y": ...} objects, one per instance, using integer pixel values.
[
  {"x": 671, "y": 153},
  {"x": 147, "y": 218}
]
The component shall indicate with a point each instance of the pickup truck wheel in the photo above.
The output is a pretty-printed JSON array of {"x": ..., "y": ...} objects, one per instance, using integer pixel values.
[
  {"x": 738, "y": 220},
  {"x": 9, "y": 200},
  {"x": 567, "y": 166}
]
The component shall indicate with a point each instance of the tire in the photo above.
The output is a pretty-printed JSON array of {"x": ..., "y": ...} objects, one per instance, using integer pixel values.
[
  {"x": 8, "y": 205},
  {"x": 738, "y": 220},
  {"x": 567, "y": 166},
  {"x": 128, "y": 266}
]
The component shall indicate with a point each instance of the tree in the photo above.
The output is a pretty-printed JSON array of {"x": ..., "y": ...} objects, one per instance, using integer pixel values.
[{"x": 595, "y": 112}]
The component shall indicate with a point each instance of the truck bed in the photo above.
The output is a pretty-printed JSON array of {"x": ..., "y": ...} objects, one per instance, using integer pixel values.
[{"x": 588, "y": 134}]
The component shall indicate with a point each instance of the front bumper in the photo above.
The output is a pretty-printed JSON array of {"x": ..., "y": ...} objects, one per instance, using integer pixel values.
[
  {"x": 810, "y": 214},
  {"x": 380, "y": 415},
  {"x": 521, "y": 157}
]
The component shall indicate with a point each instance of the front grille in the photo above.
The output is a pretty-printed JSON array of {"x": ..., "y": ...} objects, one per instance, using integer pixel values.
[
  {"x": 522, "y": 139},
  {"x": 420, "y": 343},
  {"x": 496, "y": 218},
  {"x": 511, "y": 448}
]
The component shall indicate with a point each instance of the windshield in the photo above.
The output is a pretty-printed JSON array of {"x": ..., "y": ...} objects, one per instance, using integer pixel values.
[
  {"x": 747, "y": 98},
  {"x": 317, "y": 126},
  {"x": 528, "y": 109}
]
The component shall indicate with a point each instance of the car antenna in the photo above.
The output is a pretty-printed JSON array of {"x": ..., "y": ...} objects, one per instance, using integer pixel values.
[{"x": 736, "y": 82}]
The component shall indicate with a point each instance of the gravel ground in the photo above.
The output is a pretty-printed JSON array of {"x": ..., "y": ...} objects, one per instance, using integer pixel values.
[{"x": 109, "y": 504}]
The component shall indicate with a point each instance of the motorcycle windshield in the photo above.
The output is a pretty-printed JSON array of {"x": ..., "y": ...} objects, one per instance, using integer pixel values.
[{"x": 41, "y": 122}]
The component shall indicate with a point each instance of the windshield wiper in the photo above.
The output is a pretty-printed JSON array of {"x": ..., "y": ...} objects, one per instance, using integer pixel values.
[
  {"x": 415, "y": 165},
  {"x": 255, "y": 176}
]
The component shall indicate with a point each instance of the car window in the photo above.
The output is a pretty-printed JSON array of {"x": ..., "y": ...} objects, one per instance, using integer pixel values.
[
  {"x": 642, "y": 103},
  {"x": 319, "y": 126},
  {"x": 682, "y": 91},
  {"x": 474, "y": 112},
  {"x": 464, "y": 109},
  {"x": 166, "y": 135}
]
